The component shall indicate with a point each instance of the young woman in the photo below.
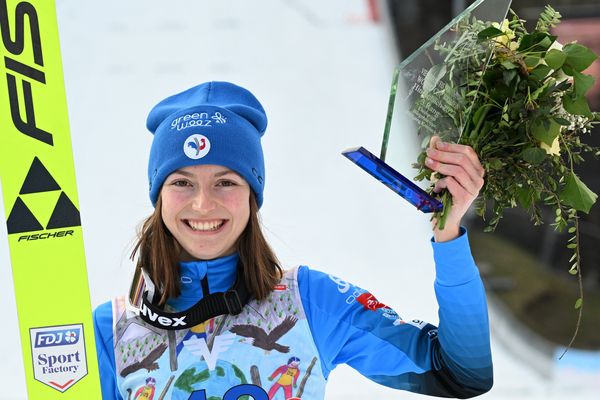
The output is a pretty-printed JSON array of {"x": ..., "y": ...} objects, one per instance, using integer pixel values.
[{"x": 214, "y": 316}]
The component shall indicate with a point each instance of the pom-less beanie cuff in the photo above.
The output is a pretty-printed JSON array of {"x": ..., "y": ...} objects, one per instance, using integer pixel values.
[{"x": 215, "y": 123}]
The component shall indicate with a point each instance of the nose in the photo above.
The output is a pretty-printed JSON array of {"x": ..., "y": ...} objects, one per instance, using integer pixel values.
[{"x": 203, "y": 201}]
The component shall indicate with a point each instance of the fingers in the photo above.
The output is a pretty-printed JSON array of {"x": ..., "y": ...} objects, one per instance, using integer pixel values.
[
  {"x": 459, "y": 168},
  {"x": 457, "y": 161},
  {"x": 456, "y": 154},
  {"x": 456, "y": 189}
]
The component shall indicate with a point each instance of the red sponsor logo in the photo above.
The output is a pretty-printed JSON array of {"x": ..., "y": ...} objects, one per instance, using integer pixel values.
[
  {"x": 369, "y": 302},
  {"x": 280, "y": 287}
]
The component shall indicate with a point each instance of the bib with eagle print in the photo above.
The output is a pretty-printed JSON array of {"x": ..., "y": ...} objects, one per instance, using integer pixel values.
[{"x": 266, "y": 352}]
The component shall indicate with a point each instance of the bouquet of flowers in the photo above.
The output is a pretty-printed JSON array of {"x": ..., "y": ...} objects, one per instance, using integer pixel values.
[{"x": 526, "y": 114}]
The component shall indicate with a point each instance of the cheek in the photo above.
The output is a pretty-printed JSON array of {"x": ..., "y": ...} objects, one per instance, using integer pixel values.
[
  {"x": 240, "y": 207},
  {"x": 242, "y": 212},
  {"x": 169, "y": 208}
]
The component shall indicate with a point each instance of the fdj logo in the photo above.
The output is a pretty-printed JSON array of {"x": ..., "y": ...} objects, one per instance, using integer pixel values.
[
  {"x": 256, "y": 392},
  {"x": 58, "y": 355},
  {"x": 56, "y": 338},
  {"x": 39, "y": 180}
]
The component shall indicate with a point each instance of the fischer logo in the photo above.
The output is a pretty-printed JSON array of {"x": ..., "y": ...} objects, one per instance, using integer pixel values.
[
  {"x": 46, "y": 235},
  {"x": 164, "y": 321},
  {"x": 197, "y": 119},
  {"x": 58, "y": 353}
]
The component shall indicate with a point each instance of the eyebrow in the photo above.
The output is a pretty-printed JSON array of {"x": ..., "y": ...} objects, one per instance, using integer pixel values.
[{"x": 217, "y": 175}]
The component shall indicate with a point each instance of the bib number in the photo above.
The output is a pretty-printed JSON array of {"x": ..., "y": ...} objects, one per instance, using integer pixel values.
[{"x": 256, "y": 392}]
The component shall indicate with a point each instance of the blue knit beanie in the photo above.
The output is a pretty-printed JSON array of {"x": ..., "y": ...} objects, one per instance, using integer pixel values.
[{"x": 213, "y": 123}]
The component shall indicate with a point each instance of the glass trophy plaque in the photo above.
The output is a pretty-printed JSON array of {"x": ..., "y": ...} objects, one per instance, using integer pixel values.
[{"x": 431, "y": 94}]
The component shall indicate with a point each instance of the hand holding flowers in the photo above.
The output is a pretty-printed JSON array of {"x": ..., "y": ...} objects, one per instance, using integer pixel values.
[
  {"x": 463, "y": 178},
  {"x": 527, "y": 113}
]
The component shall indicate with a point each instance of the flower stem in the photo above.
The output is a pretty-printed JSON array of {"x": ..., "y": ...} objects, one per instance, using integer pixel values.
[
  {"x": 442, "y": 216},
  {"x": 580, "y": 281}
]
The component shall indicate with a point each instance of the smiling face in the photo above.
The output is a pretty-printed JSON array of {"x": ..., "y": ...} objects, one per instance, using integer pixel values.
[{"x": 206, "y": 208}]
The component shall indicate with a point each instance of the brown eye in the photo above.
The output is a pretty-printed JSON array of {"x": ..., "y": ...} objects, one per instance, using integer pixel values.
[
  {"x": 180, "y": 183},
  {"x": 226, "y": 183}
]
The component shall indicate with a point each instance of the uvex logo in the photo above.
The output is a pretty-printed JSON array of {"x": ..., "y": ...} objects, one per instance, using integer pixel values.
[
  {"x": 18, "y": 72},
  {"x": 164, "y": 321}
]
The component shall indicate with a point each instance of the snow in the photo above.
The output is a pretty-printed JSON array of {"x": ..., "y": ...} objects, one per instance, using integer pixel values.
[{"x": 322, "y": 70}]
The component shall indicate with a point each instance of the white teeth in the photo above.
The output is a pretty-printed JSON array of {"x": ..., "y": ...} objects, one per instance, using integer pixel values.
[{"x": 205, "y": 226}]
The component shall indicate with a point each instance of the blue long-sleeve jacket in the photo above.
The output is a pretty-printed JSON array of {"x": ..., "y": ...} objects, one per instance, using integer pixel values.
[{"x": 452, "y": 360}]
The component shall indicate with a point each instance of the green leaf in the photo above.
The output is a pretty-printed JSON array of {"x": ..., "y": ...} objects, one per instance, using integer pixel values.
[
  {"x": 532, "y": 61},
  {"x": 433, "y": 77},
  {"x": 577, "y": 105},
  {"x": 489, "y": 33},
  {"x": 577, "y": 195},
  {"x": 568, "y": 70},
  {"x": 533, "y": 155},
  {"x": 545, "y": 130},
  {"x": 573, "y": 271},
  {"x": 539, "y": 41},
  {"x": 562, "y": 121},
  {"x": 578, "y": 303},
  {"x": 509, "y": 76},
  {"x": 545, "y": 43},
  {"x": 582, "y": 83},
  {"x": 478, "y": 118},
  {"x": 495, "y": 163},
  {"x": 555, "y": 58},
  {"x": 579, "y": 57},
  {"x": 571, "y": 229},
  {"x": 524, "y": 197},
  {"x": 509, "y": 65},
  {"x": 541, "y": 71}
]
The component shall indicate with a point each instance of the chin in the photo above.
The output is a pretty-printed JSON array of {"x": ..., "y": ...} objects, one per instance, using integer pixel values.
[{"x": 209, "y": 255}]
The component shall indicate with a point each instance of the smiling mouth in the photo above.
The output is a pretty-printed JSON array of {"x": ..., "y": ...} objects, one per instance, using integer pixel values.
[{"x": 205, "y": 226}]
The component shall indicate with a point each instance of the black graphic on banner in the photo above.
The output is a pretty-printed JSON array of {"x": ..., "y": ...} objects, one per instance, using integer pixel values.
[
  {"x": 21, "y": 219},
  {"x": 39, "y": 180}
]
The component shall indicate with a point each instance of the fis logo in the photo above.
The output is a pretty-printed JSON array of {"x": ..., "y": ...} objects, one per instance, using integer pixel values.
[
  {"x": 27, "y": 88},
  {"x": 56, "y": 338}
]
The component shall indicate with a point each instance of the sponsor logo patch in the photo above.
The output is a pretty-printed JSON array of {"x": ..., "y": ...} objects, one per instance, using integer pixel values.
[
  {"x": 196, "y": 146},
  {"x": 198, "y": 119},
  {"x": 58, "y": 354},
  {"x": 369, "y": 302},
  {"x": 417, "y": 323}
]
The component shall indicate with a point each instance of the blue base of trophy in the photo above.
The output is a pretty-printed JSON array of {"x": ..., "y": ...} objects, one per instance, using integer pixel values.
[{"x": 393, "y": 179}]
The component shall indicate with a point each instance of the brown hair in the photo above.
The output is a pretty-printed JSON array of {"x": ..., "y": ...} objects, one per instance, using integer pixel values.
[{"x": 158, "y": 252}]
